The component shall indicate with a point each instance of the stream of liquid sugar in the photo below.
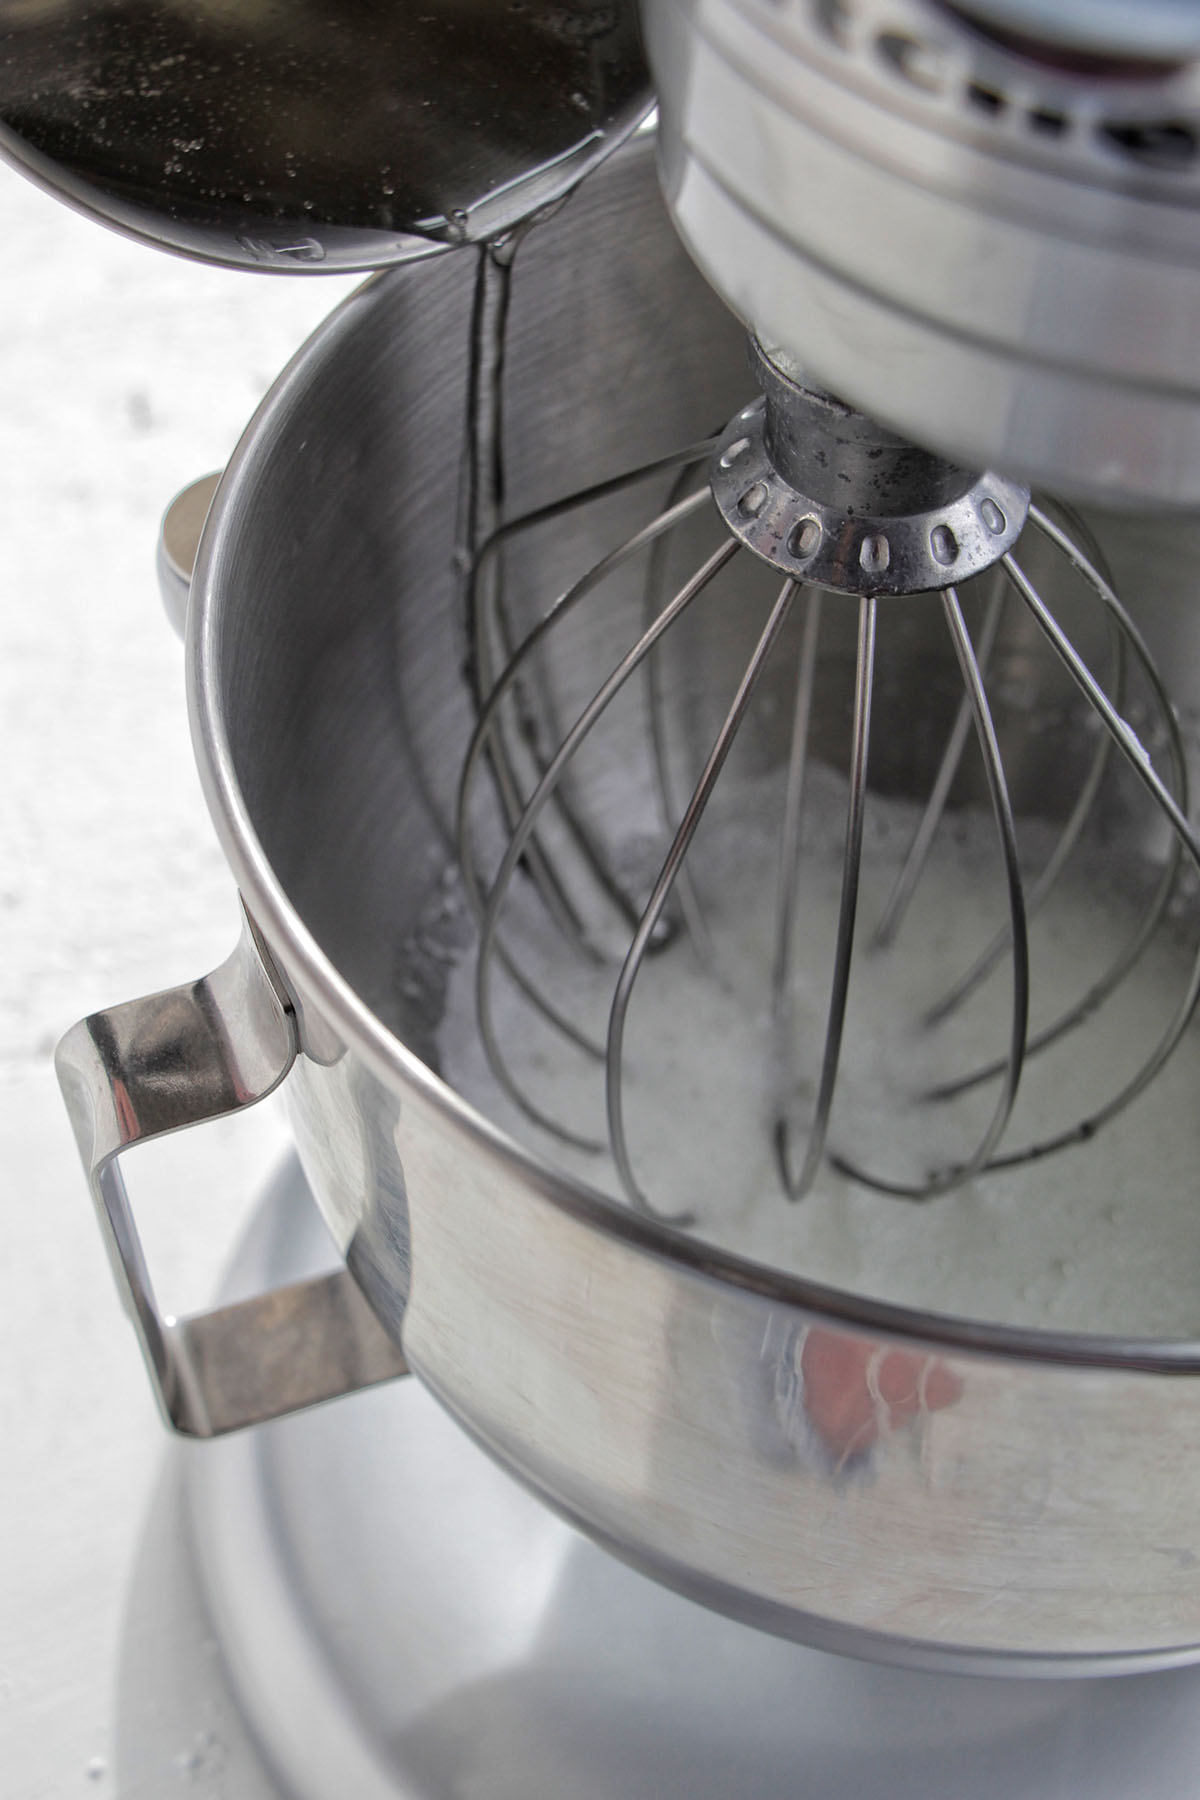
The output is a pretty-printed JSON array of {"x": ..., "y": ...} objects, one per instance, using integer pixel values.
[{"x": 1103, "y": 1236}]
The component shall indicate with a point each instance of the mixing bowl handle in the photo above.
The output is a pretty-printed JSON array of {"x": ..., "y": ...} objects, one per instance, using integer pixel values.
[{"x": 151, "y": 1067}]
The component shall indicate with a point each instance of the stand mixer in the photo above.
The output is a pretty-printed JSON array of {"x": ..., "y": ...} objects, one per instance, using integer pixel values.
[{"x": 677, "y": 1394}]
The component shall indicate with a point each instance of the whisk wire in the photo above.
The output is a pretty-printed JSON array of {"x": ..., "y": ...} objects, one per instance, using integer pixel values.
[
  {"x": 1056, "y": 862},
  {"x": 1151, "y": 916},
  {"x": 526, "y": 824},
  {"x": 985, "y": 731},
  {"x": 913, "y": 867},
  {"x": 485, "y": 724},
  {"x": 797, "y": 1186},
  {"x": 1137, "y": 759},
  {"x": 660, "y": 894},
  {"x": 1122, "y": 733},
  {"x": 528, "y": 725},
  {"x": 789, "y": 838},
  {"x": 486, "y": 611},
  {"x": 566, "y": 504},
  {"x": 687, "y": 898},
  {"x": 1100, "y": 990}
]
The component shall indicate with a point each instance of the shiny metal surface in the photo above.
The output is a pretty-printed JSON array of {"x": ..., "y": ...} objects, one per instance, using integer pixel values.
[
  {"x": 400, "y": 1619},
  {"x": 995, "y": 252},
  {"x": 320, "y": 136},
  {"x": 867, "y": 548},
  {"x": 176, "y": 1059},
  {"x": 1014, "y": 1499}
]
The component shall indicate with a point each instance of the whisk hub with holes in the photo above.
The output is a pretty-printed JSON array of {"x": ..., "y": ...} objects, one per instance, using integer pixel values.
[{"x": 829, "y": 497}]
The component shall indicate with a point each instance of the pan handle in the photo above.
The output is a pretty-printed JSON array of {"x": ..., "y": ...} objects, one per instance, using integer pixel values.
[{"x": 177, "y": 1058}]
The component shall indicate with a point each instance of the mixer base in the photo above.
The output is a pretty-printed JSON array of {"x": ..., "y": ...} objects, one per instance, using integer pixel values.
[{"x": 400, "y": 1619}]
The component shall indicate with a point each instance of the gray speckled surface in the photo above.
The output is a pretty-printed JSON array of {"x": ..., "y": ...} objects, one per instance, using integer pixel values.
[{"x": 123, "y": 374}]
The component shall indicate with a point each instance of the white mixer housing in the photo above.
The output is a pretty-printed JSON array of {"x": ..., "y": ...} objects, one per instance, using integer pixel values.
[{"x": 990, "y": 243}]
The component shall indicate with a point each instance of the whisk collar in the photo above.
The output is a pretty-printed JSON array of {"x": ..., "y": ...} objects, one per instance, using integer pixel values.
[{"x": 826, "y": 495}]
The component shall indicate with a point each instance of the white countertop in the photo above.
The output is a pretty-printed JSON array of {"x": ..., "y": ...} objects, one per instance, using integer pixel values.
[{"x": 123, "y": 375}]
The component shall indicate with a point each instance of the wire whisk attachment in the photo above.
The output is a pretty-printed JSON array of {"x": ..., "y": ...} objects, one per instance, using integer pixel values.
[{"x": 906, "y": 574}]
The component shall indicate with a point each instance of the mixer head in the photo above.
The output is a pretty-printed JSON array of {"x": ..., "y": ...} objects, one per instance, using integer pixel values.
[{"x": 980, "y": 223}]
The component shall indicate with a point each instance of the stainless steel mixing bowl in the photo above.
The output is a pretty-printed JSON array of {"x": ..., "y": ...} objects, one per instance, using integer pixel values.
[{"x": 1029, "y": 1501}]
